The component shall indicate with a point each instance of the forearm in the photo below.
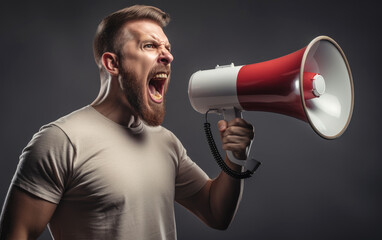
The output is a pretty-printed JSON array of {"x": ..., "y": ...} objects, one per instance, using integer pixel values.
[
  {"x": 216, "y": 203},
  {"x": 225, "y": 196}
]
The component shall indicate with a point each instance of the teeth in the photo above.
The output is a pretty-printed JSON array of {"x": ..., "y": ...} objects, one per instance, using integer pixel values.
[
  {"x": 161, "y": 75},
  {"x": 157, "y": 95}
]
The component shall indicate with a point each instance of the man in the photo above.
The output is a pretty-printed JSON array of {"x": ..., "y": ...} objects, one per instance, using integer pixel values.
[{"x": 109, "y": 170}]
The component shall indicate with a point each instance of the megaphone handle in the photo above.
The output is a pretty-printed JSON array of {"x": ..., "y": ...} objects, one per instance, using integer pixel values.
[{"x": 250, "y": 163}]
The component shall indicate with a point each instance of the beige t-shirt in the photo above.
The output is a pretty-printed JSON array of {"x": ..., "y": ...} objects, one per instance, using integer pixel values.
[{"x": 108, "y": 182}]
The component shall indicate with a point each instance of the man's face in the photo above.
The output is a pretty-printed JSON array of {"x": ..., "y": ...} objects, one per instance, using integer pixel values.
[{"x": 145, "y": 65}]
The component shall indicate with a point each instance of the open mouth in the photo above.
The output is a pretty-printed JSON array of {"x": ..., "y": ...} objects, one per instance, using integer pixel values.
[{"x": 156, "y": 87}]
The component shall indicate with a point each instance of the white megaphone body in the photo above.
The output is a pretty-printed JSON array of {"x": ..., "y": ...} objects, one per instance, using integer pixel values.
[{"x": 313, "y": 84}]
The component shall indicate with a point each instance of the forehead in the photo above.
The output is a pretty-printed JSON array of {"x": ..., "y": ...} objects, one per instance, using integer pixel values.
[{"x": 144, "y": 28}]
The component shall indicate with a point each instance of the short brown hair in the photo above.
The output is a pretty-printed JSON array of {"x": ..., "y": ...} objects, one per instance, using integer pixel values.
[{"x": 106, "y": 37}]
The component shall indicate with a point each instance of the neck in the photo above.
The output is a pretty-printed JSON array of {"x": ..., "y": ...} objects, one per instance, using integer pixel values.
[{"x": 112, "y": 103}]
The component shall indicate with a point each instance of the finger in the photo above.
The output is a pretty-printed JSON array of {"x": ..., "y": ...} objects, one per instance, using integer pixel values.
[
  {"x": 239, "y": 131},
  {"x": 240, "y": 122},
  {"x": 236, "y": 140},
  {"x": 238, "y": 149},
  {"x": 235, "y": 147},
  {"x": 222, "y": 126}
]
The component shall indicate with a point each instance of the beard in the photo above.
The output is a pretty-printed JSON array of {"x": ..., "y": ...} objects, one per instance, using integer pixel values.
[{"x": 135, "y": 91}]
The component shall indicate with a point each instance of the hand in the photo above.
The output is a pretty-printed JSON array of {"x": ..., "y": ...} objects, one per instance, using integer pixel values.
[{"x": 236, "y": 136}]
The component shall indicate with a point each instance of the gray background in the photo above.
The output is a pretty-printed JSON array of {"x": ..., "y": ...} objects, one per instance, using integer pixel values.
[{"x": 306, "y": 188}]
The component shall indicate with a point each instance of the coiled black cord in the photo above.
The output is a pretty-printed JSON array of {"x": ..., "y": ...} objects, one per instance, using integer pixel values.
[{"x": 218, "y": 158}]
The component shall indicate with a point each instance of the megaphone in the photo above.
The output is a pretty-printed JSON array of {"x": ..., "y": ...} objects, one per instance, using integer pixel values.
[{"x": 313, "y": 84}]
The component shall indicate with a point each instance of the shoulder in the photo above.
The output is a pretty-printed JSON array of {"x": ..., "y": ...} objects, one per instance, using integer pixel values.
[
  {"x": 49, "y": 143},
  {"x": 76, "y": 120},
  {"x": 84, "y": 124},
  {"x": 45, "y": 163},
  {"x": 48, "y": 136}
]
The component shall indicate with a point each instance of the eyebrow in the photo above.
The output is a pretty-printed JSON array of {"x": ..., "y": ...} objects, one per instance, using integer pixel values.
[{"x": 166, "y": 44}]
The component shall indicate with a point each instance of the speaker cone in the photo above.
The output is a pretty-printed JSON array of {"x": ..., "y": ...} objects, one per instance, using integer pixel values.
[{"x": 329, "y": 114}]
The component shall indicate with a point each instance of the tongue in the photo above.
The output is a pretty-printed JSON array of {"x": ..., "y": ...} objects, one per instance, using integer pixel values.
[
  {"x": 152, "y": 89},
  {"x": 154, "y": 92}
]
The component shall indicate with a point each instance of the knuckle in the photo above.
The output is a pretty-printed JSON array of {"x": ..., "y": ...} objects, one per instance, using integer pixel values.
[
  {"x": 225, "y": 140},
  {"x": 237, "y": 120},
  {"x": 229, "y": 138},
  {"x": 229, "y": 131}
]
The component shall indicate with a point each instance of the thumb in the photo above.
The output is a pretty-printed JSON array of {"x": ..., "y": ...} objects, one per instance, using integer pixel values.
[{"x": 222, "y": 126}]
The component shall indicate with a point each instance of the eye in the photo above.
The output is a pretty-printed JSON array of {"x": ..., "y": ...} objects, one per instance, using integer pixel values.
[{"x": 149, "y": 45}]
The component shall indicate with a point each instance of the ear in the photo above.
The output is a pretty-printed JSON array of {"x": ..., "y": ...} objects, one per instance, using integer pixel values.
[{"x": 110, "y": 63}]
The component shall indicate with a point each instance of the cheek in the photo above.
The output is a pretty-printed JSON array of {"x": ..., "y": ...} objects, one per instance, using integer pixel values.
[
  {"x": 149, "y": 60},
  {"x": 144, "y": 67}
]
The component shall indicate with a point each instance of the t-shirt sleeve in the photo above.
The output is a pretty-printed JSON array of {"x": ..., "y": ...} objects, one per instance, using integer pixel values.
[
  {"x": 45, "y": 163},
  {"x": 190, "y": 177}
]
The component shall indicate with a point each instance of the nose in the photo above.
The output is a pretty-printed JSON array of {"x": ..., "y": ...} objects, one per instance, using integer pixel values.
[{"x": 165, "y": 57}]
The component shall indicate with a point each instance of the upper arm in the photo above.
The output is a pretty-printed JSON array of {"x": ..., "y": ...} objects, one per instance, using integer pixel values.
[
  {"x": 24, "y": 216},
  {"x": 199, "y": 203},
  {"x": 217, "y": 201}
]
